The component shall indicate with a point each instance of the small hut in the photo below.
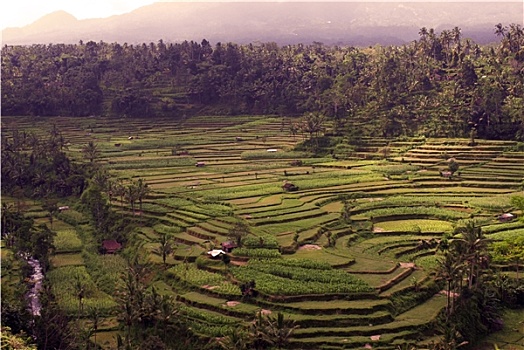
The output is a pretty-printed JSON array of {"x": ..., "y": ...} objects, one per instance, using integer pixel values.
[
  {"x": 288, "y": 186},
  {"x": 216, "y": 253},
  {"x": 110, "y": 246},
  {"x": 228, "y": 246},
  {"x": 446, "y": 174},
  {"x": 506, "y": 217}
]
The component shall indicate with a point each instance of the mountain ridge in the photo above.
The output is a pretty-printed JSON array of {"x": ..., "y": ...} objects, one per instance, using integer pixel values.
[{"x": 356, "y": 23}]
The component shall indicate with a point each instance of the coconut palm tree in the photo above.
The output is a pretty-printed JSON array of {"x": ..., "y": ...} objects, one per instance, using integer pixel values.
[
  {"x": 165, "y": 247},
  {"x": 80, "y": 291},
  {"x": 473, "y": 246},
  {"x": 168, "y": 309},
  {"x": 131, "y": 195},
  {"x": 500, "y": 30},
  {"x": 91, "y": 151},
  {"x": 235, "y": 339},
  {"x": 120, "y": 191},
  {"x": 449, "y": 269},
  {"x": 280, "y": 330},
  {"x": 267, "y": 330},
  {"x": 142, "y": 189}
]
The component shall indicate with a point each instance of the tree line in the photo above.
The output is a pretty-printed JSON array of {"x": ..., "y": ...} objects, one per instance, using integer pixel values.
[{"x": 439, "y": 85}]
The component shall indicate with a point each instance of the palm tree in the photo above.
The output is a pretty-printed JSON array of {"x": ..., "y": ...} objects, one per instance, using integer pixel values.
[
  {"x": 273, "y": 331},
  {"x": 94, "y": 314},
  {"x": 7, "y": 214},
  {"x": 167, "y": 310},
  {"x": 235, "y": 339},
  {"x": 258, "y": 332},
  {"x": 120, "y": 191},
  {"x": 131, "y": 296},
  {"x": 80, "y": 291},
  {"x": 111, "y": 190},
  {"x": 293, "y": 129},
  {"x": 280, "y": 330},
  {"x": 500, "y": 30},
  {"x": 165, "y": 247},
  {"x": 449, "y": 269},
  {"x": 91, "y": 151},
  {"x": 51, "y": 206},
  {"x": 101, "y": 178},
  {"x": 142, "y": 189},
  {"x": 446, "y": 38},
  {"x": 131, "y": 195},
  {"x": 473, "y": 246},
  {"x": 423, "y": 32}
]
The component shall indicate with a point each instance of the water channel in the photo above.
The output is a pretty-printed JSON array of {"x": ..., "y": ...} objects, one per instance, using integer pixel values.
[{"x": 37, "y": 278}]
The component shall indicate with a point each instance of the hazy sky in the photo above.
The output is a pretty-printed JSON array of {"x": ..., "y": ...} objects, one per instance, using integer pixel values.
[{"x": 18, "y": 13}]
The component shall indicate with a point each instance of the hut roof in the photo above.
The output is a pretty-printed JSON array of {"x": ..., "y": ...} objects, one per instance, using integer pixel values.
[
  {"x": 111, "y": 246},
  {"x": 216, "y": 252}
]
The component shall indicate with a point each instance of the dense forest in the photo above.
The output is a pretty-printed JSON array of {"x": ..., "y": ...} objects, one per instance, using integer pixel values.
[{"x": 439, "y": 85}]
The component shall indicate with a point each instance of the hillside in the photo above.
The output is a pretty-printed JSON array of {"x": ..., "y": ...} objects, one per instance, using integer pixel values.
[{"x": 354, "y": 256}]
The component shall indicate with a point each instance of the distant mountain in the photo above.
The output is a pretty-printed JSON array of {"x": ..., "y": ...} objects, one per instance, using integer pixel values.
[{"x": 343, "y": 23}]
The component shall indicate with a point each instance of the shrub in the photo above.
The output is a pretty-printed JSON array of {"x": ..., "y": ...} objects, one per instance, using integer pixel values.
[
  {"x": 257, "y": 252},
  {"x": 261, "y": 241}
]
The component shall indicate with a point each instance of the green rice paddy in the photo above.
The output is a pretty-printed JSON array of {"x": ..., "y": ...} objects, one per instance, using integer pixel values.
[{"x": 373, "y": 255}]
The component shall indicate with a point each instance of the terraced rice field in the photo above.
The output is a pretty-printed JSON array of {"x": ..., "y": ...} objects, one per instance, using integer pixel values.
[{"x": 381, "y": 252}]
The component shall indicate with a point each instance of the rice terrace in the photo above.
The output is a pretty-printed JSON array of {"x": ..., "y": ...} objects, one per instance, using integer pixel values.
[
  {"x": 264, "y": 175},
  {"x": 238, "y": 229}
]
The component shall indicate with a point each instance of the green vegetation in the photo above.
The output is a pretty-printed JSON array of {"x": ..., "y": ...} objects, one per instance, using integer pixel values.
[
  {"x": 124, "y": 212},
  {"x": 374, "y": 91},
  {"x": 357, "y": 233}
]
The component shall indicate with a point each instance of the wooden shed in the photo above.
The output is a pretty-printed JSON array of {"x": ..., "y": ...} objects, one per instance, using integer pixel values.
[
  {"x": 228, "y": 246},
  {"x": 110, "y": 246}
]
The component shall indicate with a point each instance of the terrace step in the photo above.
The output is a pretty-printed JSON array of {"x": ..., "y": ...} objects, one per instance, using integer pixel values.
[
  {"x": 309, "y": 214},
  {"x": 218, "y": 304},
  {"x": 298, "y": 207},
  {"x": 386, "y": 341},
  {"x": 200, "y": 233},
  {"x": 359, "y": 331},
  {"x": 330, "y": 307},
  {"x": 381, "y": 280},
  {"x": 323, "y": 321},
  {"x": 211, "y": 228},
  {"x": 168, "y": 221},
  {"x": 283, "y": 205},
  {"x": 406, "y": 326},
  {"x": 187, "y": 221},
  {"x": 188, "y": 239}
]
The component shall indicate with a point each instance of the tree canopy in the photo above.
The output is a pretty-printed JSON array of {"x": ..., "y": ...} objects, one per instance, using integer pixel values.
[{"x": 439, "y": 85}]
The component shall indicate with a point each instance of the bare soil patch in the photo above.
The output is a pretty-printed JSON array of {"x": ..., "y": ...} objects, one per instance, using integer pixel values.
[
  {"x": 451, "y": 294},
  {"x": 310, "y": 247},
  {"x": 207, "y": 286},
  {"x": 232, "y": 303},
  {"x": 407, "y": 265}
]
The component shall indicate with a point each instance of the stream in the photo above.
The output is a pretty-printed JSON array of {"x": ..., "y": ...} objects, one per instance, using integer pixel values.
[{"x": 36, "y": 279}]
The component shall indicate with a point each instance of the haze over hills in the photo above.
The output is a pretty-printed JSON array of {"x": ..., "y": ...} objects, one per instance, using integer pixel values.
[{"x": 343, "y": 23}]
